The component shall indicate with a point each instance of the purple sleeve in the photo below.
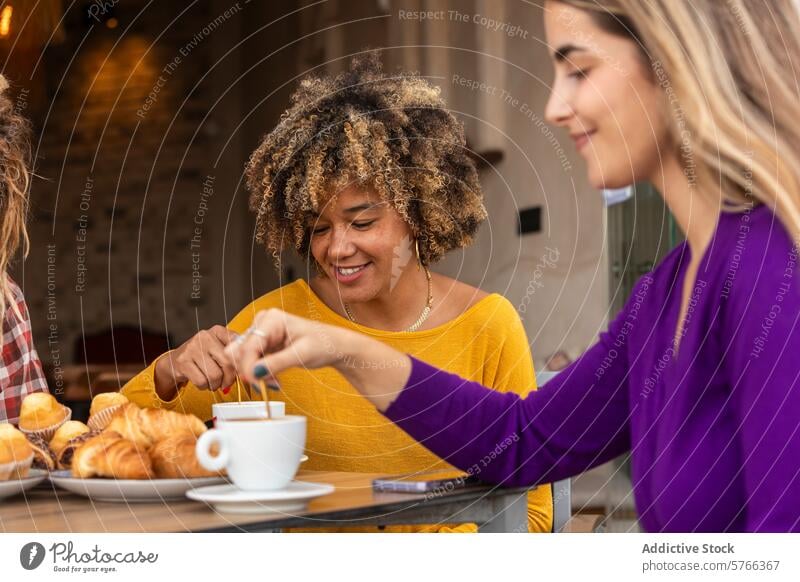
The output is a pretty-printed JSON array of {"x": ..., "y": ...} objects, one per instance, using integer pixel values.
[
  {"x": 763, "y": 363},
  {"x": 576, "y": 421}
]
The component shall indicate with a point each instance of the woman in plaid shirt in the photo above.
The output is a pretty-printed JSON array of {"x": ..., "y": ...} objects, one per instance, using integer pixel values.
[{"x": 20, "y": 369}]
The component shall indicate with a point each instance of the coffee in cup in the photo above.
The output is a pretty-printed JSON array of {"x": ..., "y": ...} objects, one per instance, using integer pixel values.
[
  {"x": 222, "y": 411},
  {"x": 259, "y": 454}
]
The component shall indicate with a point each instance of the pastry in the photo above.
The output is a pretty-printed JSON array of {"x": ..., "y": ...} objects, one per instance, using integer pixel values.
[
  {"x": 41, "y": 414},
  {"x": 64, "y": 456},
  {"x": 104, "y": 407},
  {"x": 20, "y": 452},
  {"x": 127, "y": 423},
  {"x": 7, "y": 462},
  {"x": 148, "y": 426},
  {"x": 106, "y": 400},
  {"x": 65, "y": 433},
  {"x": 108, "y": 454},
  {"x": 43, "y": 455},
  {"x": 174, "y": 458}
]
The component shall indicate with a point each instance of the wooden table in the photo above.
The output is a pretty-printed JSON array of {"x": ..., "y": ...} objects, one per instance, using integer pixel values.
[{"x": 353, "y": 503}]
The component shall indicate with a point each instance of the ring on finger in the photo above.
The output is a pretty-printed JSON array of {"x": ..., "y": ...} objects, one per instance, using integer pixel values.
[{"x": 257, "y": 332}]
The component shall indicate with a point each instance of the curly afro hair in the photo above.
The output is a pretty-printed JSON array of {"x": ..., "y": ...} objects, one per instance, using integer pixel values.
[{"x": 390, "y": 134}]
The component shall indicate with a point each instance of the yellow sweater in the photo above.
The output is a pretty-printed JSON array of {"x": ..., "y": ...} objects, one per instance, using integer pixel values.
[{"x": 486, "y": 344}]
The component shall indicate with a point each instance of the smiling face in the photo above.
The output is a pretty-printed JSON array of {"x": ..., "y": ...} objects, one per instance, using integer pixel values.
[
  {"x": 355, "y": 239},
  {"x": 606, "y": 97}
]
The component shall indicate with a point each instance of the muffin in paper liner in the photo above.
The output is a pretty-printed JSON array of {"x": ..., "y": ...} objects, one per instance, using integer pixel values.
[
  {"x": 47, "y": 433},
  {"x": 22, "y": 468},
  {"x": 101, "y": 419},
  {"x": 65, "y": 433},
  {"x": 6, "y": 469}
]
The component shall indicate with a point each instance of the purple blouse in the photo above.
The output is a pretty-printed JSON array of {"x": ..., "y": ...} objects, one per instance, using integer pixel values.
[{"x": 714, "y": 429}]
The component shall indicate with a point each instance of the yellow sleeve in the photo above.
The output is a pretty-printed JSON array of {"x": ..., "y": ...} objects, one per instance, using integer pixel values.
[
  {"x": 515, "y": 373},
  {"x": 190, "y": 399}
]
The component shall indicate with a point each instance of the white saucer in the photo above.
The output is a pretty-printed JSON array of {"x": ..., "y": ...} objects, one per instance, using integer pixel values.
[
  {"x": 230, "y": 499},
  {"x": 14, "y": 486}
]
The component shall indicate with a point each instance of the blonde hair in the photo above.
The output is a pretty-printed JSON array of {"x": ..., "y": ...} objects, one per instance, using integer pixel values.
[
  {"x": 729, "y": 67},
  {"x": 14, "y": 185}
]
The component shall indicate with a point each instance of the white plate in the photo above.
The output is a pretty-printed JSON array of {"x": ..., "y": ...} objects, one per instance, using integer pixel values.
[
  {"x": 14, "y": 486},
  {"x": 229, "y": 498},
  {"x": 130, "y": 490}
]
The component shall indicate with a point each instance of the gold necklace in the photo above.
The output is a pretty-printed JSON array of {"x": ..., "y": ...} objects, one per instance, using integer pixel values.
[{"x": 420, "y": 320}]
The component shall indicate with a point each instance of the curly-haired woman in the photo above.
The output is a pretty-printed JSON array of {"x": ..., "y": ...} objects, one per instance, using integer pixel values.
[
  {"x": 20, "y": 369},
  {"x": 366, "y": 176}
]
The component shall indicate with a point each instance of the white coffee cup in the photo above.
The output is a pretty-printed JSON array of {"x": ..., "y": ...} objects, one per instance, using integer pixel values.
[
  {"x": 259, "y": 455},
  {"x": 222, "y": 411}
]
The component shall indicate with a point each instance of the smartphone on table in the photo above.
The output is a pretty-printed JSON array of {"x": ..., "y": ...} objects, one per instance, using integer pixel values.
[{"x": 434, "y": 481}]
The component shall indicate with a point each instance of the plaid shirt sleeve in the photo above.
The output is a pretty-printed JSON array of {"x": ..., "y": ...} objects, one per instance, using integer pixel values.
[{"x": 20, "y": 370}]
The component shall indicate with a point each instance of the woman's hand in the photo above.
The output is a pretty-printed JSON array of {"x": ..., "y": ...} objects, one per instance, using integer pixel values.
[
  {"x": 278, "y": 340},
  {"x": 201, "y": 360}
]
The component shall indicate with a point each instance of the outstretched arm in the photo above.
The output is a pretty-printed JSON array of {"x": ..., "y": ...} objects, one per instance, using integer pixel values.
[{"x": 577, "y": 421}]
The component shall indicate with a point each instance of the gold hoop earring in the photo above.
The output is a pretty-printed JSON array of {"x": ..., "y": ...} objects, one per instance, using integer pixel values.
[{"x": 419, "y": 258}]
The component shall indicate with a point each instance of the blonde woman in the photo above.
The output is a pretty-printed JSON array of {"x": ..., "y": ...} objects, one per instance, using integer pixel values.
[
  {"x": 367, "y": 177},
  {"x": 20, "y": 369},
  {"x": 699, "y": 376}
]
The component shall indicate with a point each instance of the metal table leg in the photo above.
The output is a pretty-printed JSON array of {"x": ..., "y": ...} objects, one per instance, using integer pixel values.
[{"x": 509, "y": 514}]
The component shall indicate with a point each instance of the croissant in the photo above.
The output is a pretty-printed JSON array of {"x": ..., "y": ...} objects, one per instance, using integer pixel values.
[
  {"x": 148, "y": 426},
  {"x": 43, "y": 455},
  {"x": 110, "y": 455},
  {"x": 64, "y": 456},
  {"x": 174, "y": 458},
  {"x": 128, "y": 425}
]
